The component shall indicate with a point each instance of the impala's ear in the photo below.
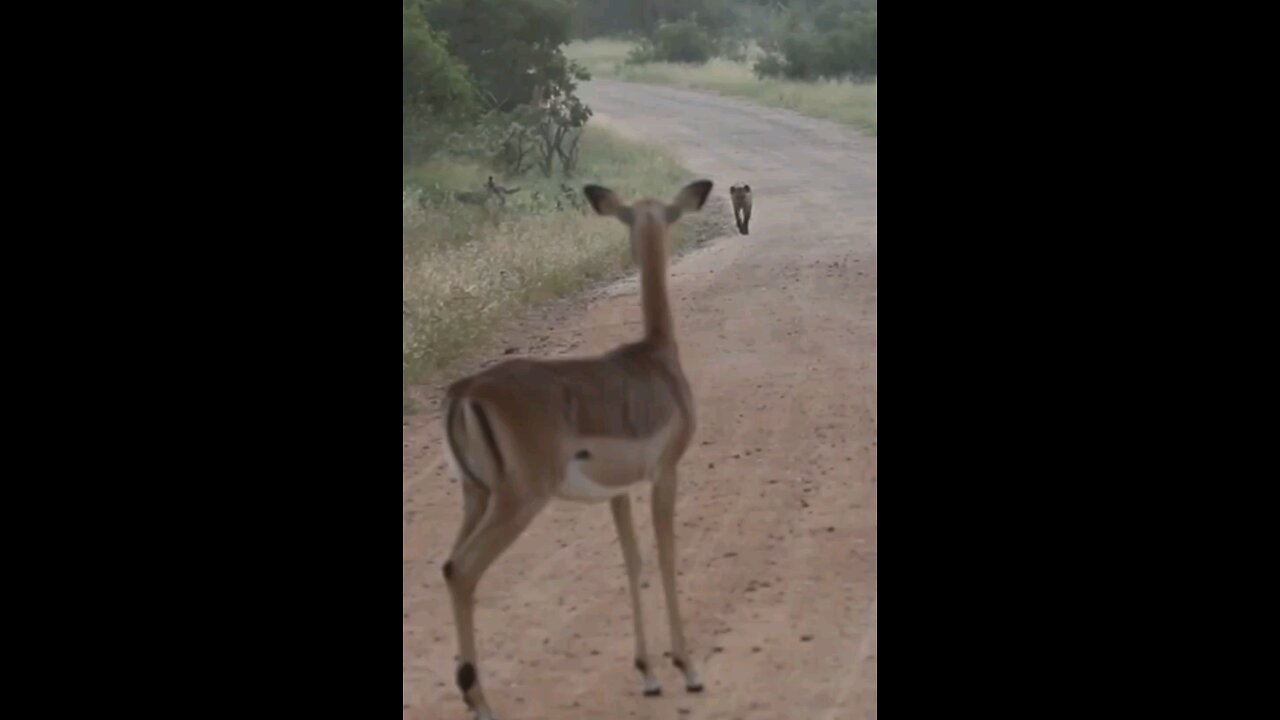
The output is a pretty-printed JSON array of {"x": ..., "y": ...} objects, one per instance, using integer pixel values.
[
  {"x": 692, "y": 197},
  {"x": 603, "y": 200}
]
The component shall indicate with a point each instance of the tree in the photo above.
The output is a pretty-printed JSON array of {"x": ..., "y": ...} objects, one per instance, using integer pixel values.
[
  {"x": 594, "y": 18},
  {"x": 828, "y": 39},
  {"x": 510, "y": 46},
  {"x": 437, "y": 89}
]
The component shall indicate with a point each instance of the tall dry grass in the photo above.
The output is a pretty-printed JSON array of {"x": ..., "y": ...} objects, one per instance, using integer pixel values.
[{"x": 463, "y": 274}]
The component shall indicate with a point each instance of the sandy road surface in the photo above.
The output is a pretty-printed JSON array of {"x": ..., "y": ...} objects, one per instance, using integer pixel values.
[{"x": 776, "y": 521}]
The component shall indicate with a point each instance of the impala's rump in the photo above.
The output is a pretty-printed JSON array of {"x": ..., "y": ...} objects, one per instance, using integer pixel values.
[{"x": 470, "y": 444}]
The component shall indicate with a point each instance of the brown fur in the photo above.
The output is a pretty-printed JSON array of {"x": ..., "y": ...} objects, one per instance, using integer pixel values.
[
  {"x": 741, "y": 196},
  {"x": 520, "y": 429}
]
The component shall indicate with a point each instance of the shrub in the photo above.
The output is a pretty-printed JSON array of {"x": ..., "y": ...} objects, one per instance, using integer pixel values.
[
  {"x": 642, "y": 54},
  {"x": 683, "y": 42},
  {"x": 844, "y": 48},
  {"x": 770, "y": 66},
  {"x": 437, "y": 89}
]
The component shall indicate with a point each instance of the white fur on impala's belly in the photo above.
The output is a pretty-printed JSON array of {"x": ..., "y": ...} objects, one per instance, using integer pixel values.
[
  {"x": 604, "y": 468},
  {"x": 578, "y": 486}
]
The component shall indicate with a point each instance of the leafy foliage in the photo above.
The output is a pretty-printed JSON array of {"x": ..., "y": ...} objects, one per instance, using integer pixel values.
[
  {"x": 682, "y": 41},
  {"x": 437, "y": 89},
  {"x": 802, "y": 39},
  {"x": 834, "y": 39},
  {"x": 511, "y": 46},
  {"x": 499, "y": 66},
  {"x": 594, "y": 18}
]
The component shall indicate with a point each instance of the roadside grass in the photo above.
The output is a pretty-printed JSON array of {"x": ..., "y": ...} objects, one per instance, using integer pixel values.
[
  {"x": 853, "y": 104},
  {"x": 468, "y": 269}
]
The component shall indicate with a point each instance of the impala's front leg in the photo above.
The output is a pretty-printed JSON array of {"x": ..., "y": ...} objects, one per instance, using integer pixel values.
[{"x": 664, "y": 509}]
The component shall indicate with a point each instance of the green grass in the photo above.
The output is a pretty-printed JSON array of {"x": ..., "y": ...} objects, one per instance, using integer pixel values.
[
  {"x": 853, "y": 104},
  {"x": 601, "y": 55},
  {"x": 463, "y": 275}
]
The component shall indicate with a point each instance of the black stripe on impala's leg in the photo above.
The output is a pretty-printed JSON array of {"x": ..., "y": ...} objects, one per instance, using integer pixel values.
[
  {"x": 650, "y": 690},
  {"x": 692, "y": 684},
  {"x": 466, "y": 680}
]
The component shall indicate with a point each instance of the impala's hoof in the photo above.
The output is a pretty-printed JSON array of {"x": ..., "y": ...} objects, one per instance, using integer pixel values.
[
  {"x": 694, "y": 688},
  {"x": 652, "y": 692}
]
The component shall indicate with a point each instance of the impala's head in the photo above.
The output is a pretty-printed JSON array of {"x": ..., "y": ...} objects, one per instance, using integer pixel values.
[{"x": 648, "y": 219}]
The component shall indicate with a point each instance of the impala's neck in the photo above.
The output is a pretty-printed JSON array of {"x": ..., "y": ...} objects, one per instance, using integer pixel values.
[{"x": 652, "y": 257}]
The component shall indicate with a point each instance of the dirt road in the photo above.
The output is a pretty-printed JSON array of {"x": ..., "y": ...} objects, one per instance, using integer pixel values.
[{"x": 776, "y": 521}]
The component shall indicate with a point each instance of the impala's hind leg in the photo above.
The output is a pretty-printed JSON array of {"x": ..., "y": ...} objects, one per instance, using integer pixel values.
[
  {"x": 474, "y": 501},
  {"x": 503, "y": 520}
]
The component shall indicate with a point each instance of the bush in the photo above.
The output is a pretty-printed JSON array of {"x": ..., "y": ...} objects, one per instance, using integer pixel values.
[
  {"x": 733, "y": 49},
  {"x": 511, "y": 47},
  {"x": 488, "y": 78},
  {"x": 641, "y": 54},
  {"x": 849, "y": 50},
  {"x": 770, "y": 66},
  {"x": 432, "y": 79},
  {"x": 683, "y": 42},
  {"x": 845, "y": 47},
  {"x": 437, "y": 89}
]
